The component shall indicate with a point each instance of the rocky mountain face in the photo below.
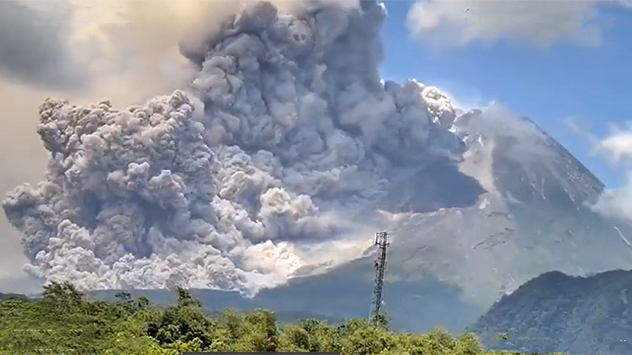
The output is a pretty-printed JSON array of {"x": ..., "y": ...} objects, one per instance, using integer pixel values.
[
  {"x": 532, "y": 218},
  {"x": 557, "y": 312},
  {"x": 464, "y": 234}
]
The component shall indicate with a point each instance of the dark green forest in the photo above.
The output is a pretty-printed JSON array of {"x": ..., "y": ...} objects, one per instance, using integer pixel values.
[{"x": 65, "y": 321}]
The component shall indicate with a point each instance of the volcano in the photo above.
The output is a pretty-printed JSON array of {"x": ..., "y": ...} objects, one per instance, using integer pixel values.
[
  {"x": 267, "y": 175},
  {"x": 516, "y": 206},
  {"x": 465, "y": 234}
]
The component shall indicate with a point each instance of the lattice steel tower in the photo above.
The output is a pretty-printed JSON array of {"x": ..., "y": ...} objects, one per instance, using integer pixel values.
[{"x": 381, "y": 240}]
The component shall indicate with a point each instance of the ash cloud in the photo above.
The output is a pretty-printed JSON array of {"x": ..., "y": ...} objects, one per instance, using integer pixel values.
[{"x": 269, "y": 162}]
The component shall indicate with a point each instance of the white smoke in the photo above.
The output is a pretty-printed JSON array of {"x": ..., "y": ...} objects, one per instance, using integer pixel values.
[{"x": 270, "y": 161}]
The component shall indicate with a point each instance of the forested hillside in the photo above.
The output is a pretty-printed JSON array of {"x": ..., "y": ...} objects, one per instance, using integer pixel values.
[
  {"x": 555, "y": 311},
  {"x": 63, "y": 321}
]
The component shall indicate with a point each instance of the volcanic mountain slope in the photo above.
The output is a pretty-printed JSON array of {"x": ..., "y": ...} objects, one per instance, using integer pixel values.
[
  {"x": 557, "y": 312},
  {"x": 465, "y": 234},
  {"x": 517, "y": 208},
  {"x": 532, "y": 218}
]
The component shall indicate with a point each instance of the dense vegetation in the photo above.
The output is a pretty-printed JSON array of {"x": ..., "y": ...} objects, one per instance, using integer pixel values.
[
  {"x": 63, "y": 321},
  {"x": 584, "y": 315}
]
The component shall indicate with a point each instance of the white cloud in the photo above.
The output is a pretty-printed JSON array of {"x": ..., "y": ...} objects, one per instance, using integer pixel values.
[
  {"x": 618, "y": 145},
  {"x": 453, "y": 23},
  {"x": 617, "y": 148},
  {"x": 616, "y": 202}
]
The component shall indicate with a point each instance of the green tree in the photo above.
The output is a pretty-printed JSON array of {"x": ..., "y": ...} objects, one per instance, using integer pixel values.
[
  {"x": 183, "y": 323},
  {"x": 63, "y": 321}
]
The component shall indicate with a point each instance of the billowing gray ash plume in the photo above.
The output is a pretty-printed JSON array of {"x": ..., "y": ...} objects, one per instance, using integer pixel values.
[{"x": 255, "y": 170}]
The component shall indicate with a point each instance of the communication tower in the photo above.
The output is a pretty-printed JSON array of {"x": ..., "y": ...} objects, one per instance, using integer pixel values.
[{"x": 381, "y": 240}]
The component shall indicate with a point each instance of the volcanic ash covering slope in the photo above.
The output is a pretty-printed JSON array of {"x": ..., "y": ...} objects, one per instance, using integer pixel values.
[{"x": 258, "y": 168}]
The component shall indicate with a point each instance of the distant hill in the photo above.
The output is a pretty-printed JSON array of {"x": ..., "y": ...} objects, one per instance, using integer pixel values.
[
  {"x": 215, "y": 302},
  {"x": 6, "y": 296},
  {"x": 557, "y": 312}
]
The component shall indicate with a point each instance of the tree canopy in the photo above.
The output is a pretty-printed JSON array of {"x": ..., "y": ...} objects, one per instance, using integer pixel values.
[{"x": 64, "y": 321}]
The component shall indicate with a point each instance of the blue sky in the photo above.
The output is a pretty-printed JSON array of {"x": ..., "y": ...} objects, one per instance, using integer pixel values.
[{"x": 590, "y": 83}]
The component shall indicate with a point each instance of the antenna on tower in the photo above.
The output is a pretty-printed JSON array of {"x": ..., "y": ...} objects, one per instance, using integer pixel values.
[{"x": 381, "y": 240}]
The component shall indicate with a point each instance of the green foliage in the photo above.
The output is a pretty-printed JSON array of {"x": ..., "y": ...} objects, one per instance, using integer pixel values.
[
  {"x": 182, "y": 324},
  {"x": 63, "y": 321}
]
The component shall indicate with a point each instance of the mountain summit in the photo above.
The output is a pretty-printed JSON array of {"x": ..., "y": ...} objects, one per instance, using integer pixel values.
[{"x": 533, "y": 216}]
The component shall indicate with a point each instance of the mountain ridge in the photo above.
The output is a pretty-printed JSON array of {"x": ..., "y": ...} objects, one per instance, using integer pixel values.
[{"x": 558, "y": 312}]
